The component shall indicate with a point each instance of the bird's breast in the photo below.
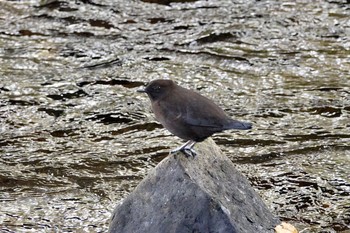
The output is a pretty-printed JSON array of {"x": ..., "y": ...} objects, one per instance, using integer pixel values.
[{"x": 166, "y": 114}]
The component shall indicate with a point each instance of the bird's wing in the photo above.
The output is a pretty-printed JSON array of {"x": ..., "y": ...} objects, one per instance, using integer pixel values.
[
  {"x": 199, "y": 111},
  {"x": 203, "y": 118}
]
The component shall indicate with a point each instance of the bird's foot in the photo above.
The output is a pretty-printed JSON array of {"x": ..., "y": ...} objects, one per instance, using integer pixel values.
[
  {"x": 189, "y": 152},
  {"x": 186, "y": 149},
  {"x": 176, "y": 150}
]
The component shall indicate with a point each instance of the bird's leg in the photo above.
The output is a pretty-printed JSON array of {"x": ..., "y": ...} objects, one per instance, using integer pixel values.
[{"x": 186, "y": 149}]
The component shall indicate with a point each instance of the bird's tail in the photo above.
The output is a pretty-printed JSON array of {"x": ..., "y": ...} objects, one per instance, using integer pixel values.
[{"x": 233, "y": 124}]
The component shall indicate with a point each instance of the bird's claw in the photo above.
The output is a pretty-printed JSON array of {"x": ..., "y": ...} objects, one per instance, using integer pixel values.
[
  {"x": 186, "y": 148},
  {"x": 189, "y": 152}
]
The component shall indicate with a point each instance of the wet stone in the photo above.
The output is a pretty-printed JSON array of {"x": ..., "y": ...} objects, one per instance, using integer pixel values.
[{"x": 201, "y": 194}]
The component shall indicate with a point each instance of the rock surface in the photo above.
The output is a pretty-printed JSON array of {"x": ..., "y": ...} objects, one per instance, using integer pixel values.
[{"x": 201, "y": 194}]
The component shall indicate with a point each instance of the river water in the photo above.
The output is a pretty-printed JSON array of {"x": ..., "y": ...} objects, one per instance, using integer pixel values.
[{"x": 76, "y": 137}]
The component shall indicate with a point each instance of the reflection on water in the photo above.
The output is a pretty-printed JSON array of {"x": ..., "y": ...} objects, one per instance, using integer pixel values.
[{"x": 76, "y": 138}]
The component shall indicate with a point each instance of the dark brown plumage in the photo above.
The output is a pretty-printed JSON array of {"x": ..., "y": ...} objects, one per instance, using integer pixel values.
[{"x": 187, "y": 114}]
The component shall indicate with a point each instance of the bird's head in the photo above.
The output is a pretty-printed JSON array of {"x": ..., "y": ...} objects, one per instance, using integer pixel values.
[{"x": 158, "y": 88}]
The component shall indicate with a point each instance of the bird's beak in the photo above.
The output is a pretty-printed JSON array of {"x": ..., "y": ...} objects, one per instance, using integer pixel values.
[{"x": 141, "y": 90}]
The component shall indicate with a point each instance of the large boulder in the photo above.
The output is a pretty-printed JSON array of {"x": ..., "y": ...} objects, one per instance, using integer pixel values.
[{"x": 202, "y": 194}]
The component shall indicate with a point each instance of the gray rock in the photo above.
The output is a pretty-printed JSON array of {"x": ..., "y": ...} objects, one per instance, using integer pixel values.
[{"x": 201, "y": 194}]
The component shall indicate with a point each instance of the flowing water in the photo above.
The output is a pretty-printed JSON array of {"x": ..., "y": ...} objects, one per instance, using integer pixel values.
[{"x": 76, "y": 137}]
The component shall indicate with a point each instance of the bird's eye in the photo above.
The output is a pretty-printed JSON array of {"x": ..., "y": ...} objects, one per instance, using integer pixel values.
[{"x": 156, "y": 88}]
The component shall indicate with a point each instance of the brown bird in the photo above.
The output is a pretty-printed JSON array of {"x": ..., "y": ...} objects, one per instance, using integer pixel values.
[{"x": 187, "y": 114}]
